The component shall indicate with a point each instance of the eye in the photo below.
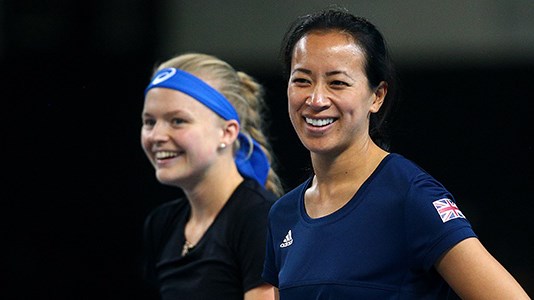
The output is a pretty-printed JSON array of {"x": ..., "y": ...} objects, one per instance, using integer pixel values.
[
  {"x": 177, "y": 121},
  {"x": 149, "y": 122},
  {"x": 299, "y": 81},
  {"x": 339, "y": 83}
]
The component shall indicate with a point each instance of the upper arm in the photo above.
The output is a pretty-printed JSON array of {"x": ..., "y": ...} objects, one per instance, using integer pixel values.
[
  {"x": 262, "y": 292},
  {"x": 250, "y": 247},
  {"x": 473, "y": 273}
]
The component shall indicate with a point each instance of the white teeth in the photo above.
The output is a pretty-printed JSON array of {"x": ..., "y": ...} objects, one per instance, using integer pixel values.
[
  {"x": 319, "y": 122},
  {"x": 165, "y": 154}
]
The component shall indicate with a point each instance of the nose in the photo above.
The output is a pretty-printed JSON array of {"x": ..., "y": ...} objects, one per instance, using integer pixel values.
[
  {"x": 158, "y": 133},
  {"x": 319, "y": 98}
]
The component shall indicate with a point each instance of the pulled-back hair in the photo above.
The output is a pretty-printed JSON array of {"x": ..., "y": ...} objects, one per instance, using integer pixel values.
[
  {"x": 378, "y": 63},
  {"x": 243, "y": 92}
]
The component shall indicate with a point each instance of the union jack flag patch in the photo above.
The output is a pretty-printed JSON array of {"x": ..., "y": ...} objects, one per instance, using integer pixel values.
[{"x": 447, "y": 210}]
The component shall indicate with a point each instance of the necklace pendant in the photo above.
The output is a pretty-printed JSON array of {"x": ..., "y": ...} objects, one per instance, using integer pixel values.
[{"x": 186, "y": 248}]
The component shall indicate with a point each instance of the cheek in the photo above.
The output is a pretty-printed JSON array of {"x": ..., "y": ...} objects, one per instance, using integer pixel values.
[
  {"x": 146, "y": 145},
  {"x": 201, "y": 154},
  {"x": 199, "y": 142},
  {"x": 144, "y": 140},
  {"x": 294, "y": 99}
]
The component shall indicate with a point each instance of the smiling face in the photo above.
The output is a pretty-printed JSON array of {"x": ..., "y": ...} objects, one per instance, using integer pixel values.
[
  {"x": 180, "y": 136},
  {"x": 329, "y": 95}
]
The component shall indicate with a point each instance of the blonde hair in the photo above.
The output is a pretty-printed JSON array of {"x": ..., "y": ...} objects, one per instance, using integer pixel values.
[{"x": 245, "y": 94}]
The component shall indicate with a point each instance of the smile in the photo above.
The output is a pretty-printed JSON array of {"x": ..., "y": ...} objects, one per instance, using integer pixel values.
[
  {"x": 165, "y": 154},
  {"x": 319, "y": 122}
]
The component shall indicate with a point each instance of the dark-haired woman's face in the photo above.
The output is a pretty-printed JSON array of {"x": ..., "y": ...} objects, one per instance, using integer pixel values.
[{"x": 328, "y": 91}]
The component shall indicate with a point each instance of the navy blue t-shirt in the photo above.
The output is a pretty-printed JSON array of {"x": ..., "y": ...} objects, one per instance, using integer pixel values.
[{"x": 381, "y": 245}]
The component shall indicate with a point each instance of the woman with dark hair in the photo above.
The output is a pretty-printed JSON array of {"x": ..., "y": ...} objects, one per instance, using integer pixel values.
[{"x": 367, "y": 224}]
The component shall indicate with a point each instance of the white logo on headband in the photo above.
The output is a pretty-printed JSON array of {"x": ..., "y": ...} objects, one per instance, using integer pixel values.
[{"x": 164, "y": 75}]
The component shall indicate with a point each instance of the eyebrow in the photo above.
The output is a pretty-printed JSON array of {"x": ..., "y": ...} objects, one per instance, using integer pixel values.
[
  {"x": 167, "y": 114},
  {"x": 329, "y": 73},
  {"x": 305, "y": 71}
]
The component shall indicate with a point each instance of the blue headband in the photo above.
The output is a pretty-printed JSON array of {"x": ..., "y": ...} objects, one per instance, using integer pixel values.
[{"x": 250, "y": 160}]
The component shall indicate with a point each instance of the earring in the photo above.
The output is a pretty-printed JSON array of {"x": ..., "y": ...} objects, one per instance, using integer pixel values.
[{"x": 222, "y": 145}]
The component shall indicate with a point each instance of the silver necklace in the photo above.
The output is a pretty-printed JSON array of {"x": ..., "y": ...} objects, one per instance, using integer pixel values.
[{"x": 187, "y": 248}]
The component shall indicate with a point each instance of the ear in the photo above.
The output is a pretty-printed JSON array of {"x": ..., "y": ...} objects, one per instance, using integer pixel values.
[
  {"x": 378, "y": 97},
  {"x": 230, "y": 132}
]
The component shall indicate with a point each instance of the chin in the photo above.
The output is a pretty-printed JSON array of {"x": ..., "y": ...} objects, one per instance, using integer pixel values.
[
  {"x": 314, "y": 147},
  {"x": 319, "y": 147},
  {"x": 165, "y": 178}
]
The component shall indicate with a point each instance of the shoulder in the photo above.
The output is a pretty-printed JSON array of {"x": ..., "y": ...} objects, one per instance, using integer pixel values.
[
  {"x": 165, "y": 213},
  {"x": 289, "y": 201},
  {"x": 400, "y": 178},
  {"x": 397, "y": 168},
  {"x": 250, "y": 201},
  {"x": 398, "y": 162},
  {"x": 168, "y": 207},
  {"x": 254, "y": 195},
  {"x": 247, "y": 209}
]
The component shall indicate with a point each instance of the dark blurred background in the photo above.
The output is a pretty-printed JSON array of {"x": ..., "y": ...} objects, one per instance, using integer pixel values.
[{"x": 77, "y": 185}]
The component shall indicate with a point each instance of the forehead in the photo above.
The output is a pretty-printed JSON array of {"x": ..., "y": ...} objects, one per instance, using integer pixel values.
[
  {"x": 164, "y": 100},
  {"x": 328, "y": 48},
  {"x": 331, "y": 39}
]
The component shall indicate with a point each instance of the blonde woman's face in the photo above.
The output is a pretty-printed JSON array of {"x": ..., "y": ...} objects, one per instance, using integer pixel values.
[{"x": 180, "y": 136}]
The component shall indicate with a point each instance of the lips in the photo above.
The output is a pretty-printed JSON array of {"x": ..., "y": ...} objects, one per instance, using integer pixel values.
[
  {"x": 319, "y": 122},
  {"x": 165, "y": 154}
]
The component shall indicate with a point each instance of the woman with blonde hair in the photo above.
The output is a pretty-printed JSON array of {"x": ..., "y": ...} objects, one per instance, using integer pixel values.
[{"x": 203, "y": 133}]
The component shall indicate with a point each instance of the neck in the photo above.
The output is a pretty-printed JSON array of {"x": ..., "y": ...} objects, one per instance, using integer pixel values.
[
  {"x": 207, "y": 198},
  {"x": 353, "y": 163},
  {"x": 338, "y": 178}
]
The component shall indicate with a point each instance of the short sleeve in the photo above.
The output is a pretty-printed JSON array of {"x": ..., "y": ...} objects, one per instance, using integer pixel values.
[
  {"x": 435, "y": 222},
  {"x": 269, "y": 273},
  {"x": 251, "y": 244}
]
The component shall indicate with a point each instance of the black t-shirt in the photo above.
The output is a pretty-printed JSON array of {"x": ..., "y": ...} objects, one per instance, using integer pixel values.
[{"x": 225, "y": 263}]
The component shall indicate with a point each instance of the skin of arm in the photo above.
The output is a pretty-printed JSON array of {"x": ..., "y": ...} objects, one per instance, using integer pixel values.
[
  {"x": 262, "y": 292},
  {"x": 473, "y": 273}
]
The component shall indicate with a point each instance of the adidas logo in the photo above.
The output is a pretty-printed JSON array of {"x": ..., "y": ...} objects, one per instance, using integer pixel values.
[{"x": 288, "y": 240}]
